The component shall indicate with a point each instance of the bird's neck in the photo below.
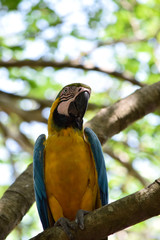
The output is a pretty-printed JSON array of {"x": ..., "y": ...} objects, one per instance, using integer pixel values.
[{"x": 67, "y": 132}]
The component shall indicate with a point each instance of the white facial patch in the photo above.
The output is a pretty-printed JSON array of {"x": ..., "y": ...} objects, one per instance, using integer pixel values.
[{"x": 63, "y": 107}]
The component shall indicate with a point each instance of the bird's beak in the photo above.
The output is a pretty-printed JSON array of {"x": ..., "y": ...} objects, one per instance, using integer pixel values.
[{"x": 78, "y": 107}]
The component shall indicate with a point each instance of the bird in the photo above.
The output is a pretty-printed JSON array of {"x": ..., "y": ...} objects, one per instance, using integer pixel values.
[{"x": 70, "y": 177}]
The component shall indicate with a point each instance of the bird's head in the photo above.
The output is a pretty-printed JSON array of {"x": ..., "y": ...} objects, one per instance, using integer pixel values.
[{"x": 69, "y": 107}]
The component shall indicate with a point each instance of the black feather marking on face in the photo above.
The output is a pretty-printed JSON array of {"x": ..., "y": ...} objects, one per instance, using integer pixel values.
[
  {"x": 66, "y": 98},
  {"x": 63, "y": 121},
  {"x": 71, "y": 88}
]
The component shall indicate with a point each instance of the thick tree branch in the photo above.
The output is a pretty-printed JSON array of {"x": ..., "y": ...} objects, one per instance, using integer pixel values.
[
  {"x": 16, "y": 202},
  {"x": 114, "y": 217},
  {"x": 112, "y": 120},
  {"x": 106, "y": 123},
  {"x": 40, "y": 63}
]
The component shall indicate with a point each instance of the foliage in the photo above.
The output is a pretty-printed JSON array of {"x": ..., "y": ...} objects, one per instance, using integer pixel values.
[{"x": 116, "y": 36}]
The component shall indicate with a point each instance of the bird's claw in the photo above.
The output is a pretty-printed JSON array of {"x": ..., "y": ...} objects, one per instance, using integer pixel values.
[
  {"x": 80, "y": 218},
  {"x": 66, "y": 226}
]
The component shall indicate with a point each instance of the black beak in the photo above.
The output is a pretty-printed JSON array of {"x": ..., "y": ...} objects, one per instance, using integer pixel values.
[{"x": 78, "y": 107}]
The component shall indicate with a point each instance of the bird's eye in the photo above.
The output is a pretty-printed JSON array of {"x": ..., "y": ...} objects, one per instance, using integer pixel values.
[{"x": 65, "y": 91}]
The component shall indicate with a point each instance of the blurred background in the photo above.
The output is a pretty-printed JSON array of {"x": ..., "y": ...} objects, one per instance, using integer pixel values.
[{"x": 112, "y": 46}]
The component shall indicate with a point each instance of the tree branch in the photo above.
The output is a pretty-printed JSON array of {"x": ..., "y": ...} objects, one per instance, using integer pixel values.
[
  {"x": 28, "y": 116},
  {"x": 123, "y": 40},
  {"x": 19, "y": 137},
  {"x": 14, "y": 97},
  {"x": 135, "y": 39},
  {"x": 40, "y": 63},
  {"x": 112, "y": 120},
  {"x": 106, "y": 123},
  {"x": 127, "y": 165},
  {"x": 114, "y": 217},
  {"x": 16, "y": 202}
]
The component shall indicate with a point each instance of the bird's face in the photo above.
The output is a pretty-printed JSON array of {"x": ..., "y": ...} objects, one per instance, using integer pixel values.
[
  {"x": 74, "y": 100},
  {"x": 72, "y": 104}
]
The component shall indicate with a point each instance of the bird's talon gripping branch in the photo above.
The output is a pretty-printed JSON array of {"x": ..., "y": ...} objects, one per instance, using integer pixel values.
[
  {"x": 66, "y": 225},
  {"x": 80, "y": 218}
]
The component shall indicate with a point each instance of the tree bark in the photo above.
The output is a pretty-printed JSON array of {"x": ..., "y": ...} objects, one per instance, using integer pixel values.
[
  {"x": 106, "y": 123},
  {"x": 16, "y": 202},
  {"x": 114, "y": 217}
]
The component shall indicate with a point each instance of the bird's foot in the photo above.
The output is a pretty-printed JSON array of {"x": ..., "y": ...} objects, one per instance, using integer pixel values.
[
  {"x": 66, "y": 225},
  {"x": 80, "y": 218}
]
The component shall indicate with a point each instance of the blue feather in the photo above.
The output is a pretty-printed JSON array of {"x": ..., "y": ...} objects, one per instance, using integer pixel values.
[
  {"x": 100, "y": 164},
  {"x": 38, "y": 175}
]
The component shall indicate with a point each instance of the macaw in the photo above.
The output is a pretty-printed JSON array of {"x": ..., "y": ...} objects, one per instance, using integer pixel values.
[{"x": 69, "y": 170}]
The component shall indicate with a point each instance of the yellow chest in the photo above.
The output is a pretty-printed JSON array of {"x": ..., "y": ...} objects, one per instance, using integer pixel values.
[{"x": 69, "y": 169}]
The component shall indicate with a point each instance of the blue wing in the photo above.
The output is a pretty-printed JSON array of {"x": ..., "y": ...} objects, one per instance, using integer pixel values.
[
  {"x": 100, "y": 164},
  {"x": 38, "y": 175}
]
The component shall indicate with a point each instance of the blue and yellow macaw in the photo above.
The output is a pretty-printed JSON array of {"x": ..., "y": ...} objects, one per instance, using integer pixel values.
[{"x": 69, "y": 169}]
